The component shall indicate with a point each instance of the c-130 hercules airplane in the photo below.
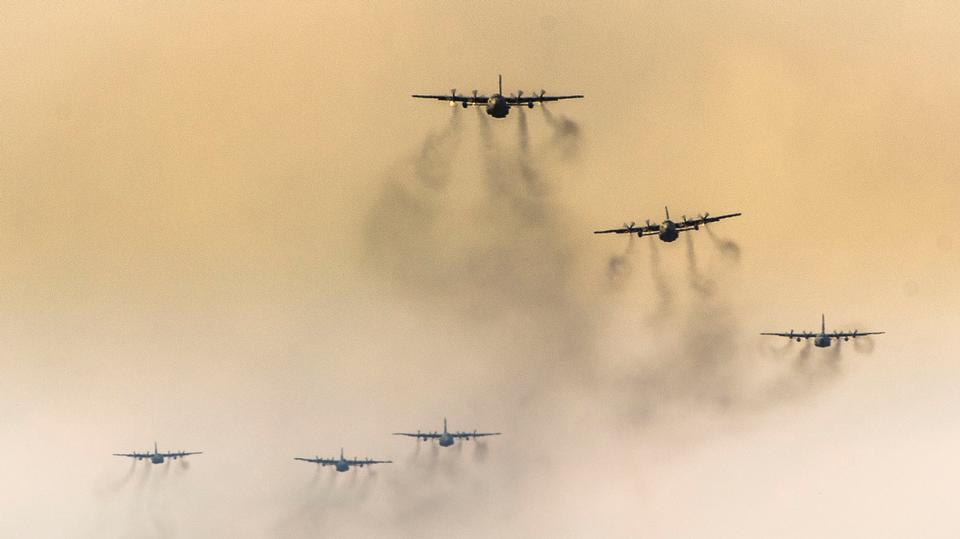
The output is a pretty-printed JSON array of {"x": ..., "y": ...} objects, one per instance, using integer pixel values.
[
  {"x": 445, "y": 439},
  {"x": 668, "y": 230},
  {"x": 497, "y": 105},
  {"x": 157, "y": 457},
  {"x": 824, "y": 339},
  {"x": 342, "y": 464}
]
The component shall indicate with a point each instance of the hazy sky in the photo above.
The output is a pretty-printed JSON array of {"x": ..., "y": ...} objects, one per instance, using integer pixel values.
[{"x": 228, "y": 228}]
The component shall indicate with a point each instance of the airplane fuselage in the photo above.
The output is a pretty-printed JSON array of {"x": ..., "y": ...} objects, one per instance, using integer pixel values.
[
  {"x": 342, "y": 466},
  {"x": 822, "y": 341},
  {"x": 668, "y": 231},
  {"x": 156, "y": 459},
  {"x": 445, "y": 440},
  {"x": 497, "y": 106}
]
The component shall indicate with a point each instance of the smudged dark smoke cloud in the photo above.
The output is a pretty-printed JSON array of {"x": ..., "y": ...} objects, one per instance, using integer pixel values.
[
  {"x": 698, "y": 282},
  {"x": 524, "y": 131},
  {"x": 118, "y": 484},
  {"x": 478, "y": 235},
  {"x": 619, "y": 267},
  {"x": 864, "y": 345},
  {"x": 726, "y": 246},
  {"x": 567, "y": 140},
  {"x": 661, "y": 284}
]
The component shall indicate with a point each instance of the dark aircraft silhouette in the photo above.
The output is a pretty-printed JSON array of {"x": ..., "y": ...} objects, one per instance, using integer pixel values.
[
  {"x": 343, "y": 464},
  {"x": 157, "y": 457},
  {"x": 445, "y": 438},
  {"x": 824, "y": 339},
  {"x": 667, "y": 230},
  {"x": 497, "y": 105}
]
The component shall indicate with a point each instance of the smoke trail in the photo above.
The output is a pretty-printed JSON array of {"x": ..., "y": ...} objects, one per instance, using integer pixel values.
[
  {"x": 315, "y": 478},
  {"x": 697, "y": 281},
  {"x": 812, "y": 374},
  {"x": 144, "y": 476},
  {"x": 481, "y": 451},
  {"x": 331, "y": 476},
  {"x": 800, "y": 362},
  {"x": 121, "y": 482},
  {"x": 432, "y": 167},
  {"x": 524, "y": 132},
  {"x": 402, "y": 227},
  {"x": 661, "y": 285},
  {"x": 727, "y": 247},
  {"x": 767, "y": 347},
  {"x": 832, "y": 360},
  {"x": 864, "y": 345},
  {"x": 619, "y": 267},
  {"x": 566, "y": 135}
]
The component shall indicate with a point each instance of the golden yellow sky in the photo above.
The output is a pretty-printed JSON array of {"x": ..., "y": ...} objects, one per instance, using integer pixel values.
[{"x": 228, "y": 228}]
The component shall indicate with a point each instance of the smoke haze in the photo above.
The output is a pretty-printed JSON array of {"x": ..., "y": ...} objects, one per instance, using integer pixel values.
[{"x": 227, "y": 228}]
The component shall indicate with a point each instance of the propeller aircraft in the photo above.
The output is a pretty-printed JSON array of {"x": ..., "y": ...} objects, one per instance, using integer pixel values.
[
  {"x": 445, "y": 438},
  {"x": 824, "y": 339},
  {"x": 497, "y": 105},
  {"x": 668, "y": 230},
  {"x": 157, "y": 457}
]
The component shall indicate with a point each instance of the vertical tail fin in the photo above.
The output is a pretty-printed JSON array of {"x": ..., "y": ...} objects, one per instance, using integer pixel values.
[
  {"x": 823, "y": 323},
  {"x": 667, "y": 211},
  {"x": 500, "y": 83},
  {"x": 444, "y": 425},
  {"x": 155, "y": 451},
  {"x": 341, "y": 453}
]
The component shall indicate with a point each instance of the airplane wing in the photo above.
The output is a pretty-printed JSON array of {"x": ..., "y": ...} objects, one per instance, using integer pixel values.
[
  {"x": 179, "y": 454},
  {"x": 705, "y": 219},
  {"x": 366, "y": 462},
  {"x": 133, "y": 455},
  {"x": 541, "y": 98},
  {"x": 422, "y": 435},
  {"x": 456, "y": 98},
  {"x": 630, "y": 229},
  {"x": 474, "y": 434},
  {"x": 318, "y": 460},
  {"x": 793, "y": 335},
  {"x": 856, "y": 334}
]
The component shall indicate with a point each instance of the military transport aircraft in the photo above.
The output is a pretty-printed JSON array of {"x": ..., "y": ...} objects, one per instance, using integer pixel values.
[
  {"x": 667, "y": 230},
  {"x": 157, "y": 457},
  {"x": 824, "y": 339},
  {"x": 343, "y": 464},
  {"x": 445, "y": 438},
  {"x": 497, "y": 105}
]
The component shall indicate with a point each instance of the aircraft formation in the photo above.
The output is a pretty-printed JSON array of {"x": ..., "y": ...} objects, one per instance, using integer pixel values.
[
  {"x": 341, "y": 463},
  {"x": 498, "y": 105}
]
